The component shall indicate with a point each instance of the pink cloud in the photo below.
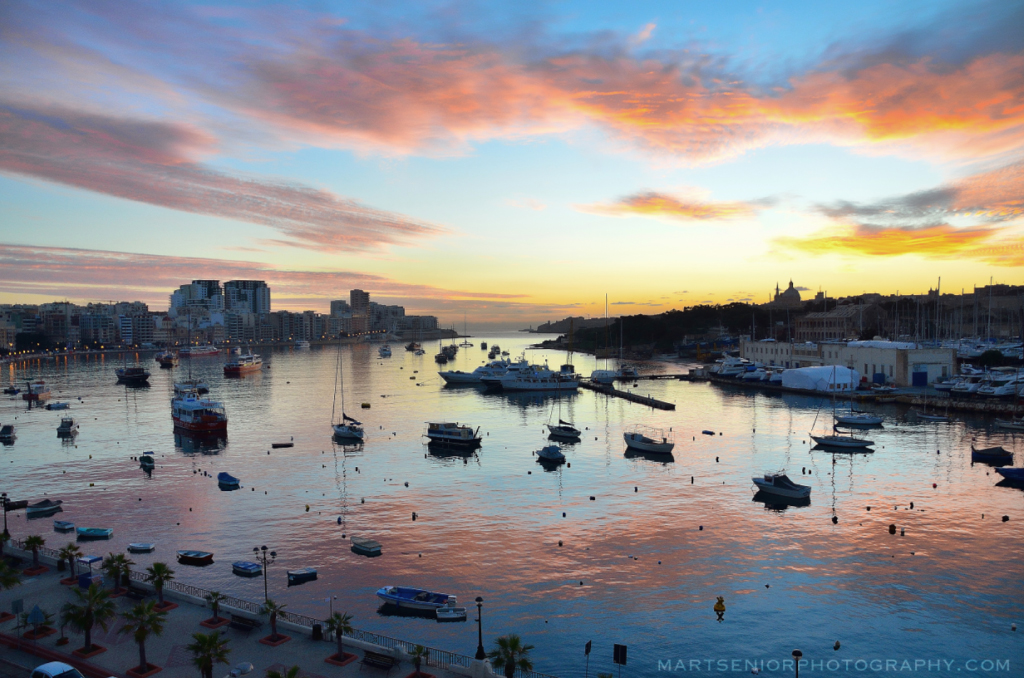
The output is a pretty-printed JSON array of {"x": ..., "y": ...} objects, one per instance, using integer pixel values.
[{"x": 152, "y": 162}]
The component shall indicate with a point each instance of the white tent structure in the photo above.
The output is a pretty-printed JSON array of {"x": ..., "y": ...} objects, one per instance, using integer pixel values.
[{"x": 824, "y": 379}]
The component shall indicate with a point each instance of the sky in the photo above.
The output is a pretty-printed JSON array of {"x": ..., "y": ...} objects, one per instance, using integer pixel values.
[{"x": 510, "y": 163}]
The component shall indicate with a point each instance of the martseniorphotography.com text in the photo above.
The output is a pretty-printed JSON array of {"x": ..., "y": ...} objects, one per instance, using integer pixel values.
[{"x": 811, "y": 666}]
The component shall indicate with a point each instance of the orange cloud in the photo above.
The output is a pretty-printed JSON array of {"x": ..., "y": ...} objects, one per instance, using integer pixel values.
[{"x": 661, "y": 205}]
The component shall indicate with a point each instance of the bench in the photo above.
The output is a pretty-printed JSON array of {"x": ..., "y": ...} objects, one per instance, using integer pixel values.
[
  {"x": 239, "y": 622},
  {"x": 378, "y": 661}
]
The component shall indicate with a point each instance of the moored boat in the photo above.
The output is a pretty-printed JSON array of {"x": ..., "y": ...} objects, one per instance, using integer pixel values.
[
  {"x": 845, "y": 442},
  {"x": 384, "y": 351},
  {"x": 301, "y": 344},
  {"x": 412, "y": 598},
  {"x": 564, "y": 430},
  {"x": 147, "y": 461},
  {"x": 199, "y": 351},
  {"x": 195, "y": 557},
  {"x": 167, "y": 359},
  {"x": 648, "y": 439},
  {"x": 132, "y": 376},
  {"x": 225, "y": 479},
  {"x": 1015, "y": 474},
  {"x": 301, "y": 576},
  {"x": 68, "y": 427},
  {"x": 858, "y": 419},
  {"x": 57, "y": 406},
  {"x": 1010, "y": 424},
  {"x": 451, "y": 433},
  {"x": 243, "y": 364},
  {"x": 451, "y": 612},
  {"x": 244, "y": 568},
  {"x": 7, "y": 433},
  {"x": 550, "y": 453},
  {"x": 366, "y": 547},
  {"x": 63, "y": 526},
  {"x": 141, "y": 547},
  {"x": 780, "y": 485},
  {"x": 996, "y": 454},
  {"x": 36, "y": 391},
  {"x": 12, "y": 390},
  {"x": 94, "y": 532},
  {"x": 192, "y": 413},
  {"x": 44, "y": 508}
]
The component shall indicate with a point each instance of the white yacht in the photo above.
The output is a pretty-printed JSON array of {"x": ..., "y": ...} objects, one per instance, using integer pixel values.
[
  {"x": 1003, "y": 383},
  {"x": 452, "y": 434},
  {"x": 969, "y": 384},
  {"x": 494, "y": 380},
  {"x": 858, "y": 419},
  {"x": 301, "y": 344},
  {"x": 550, "y": 453},
  {"x": 647, "y": 439},
  {"x": 539, "y": 378},
  {"x": 730, "y": 366},
  {"x": 779, "y": 484},
  {"x": 494, "y": 369}
]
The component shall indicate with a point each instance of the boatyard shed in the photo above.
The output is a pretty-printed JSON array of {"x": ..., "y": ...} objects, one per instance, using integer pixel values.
[{"x": 824, "y": 379}]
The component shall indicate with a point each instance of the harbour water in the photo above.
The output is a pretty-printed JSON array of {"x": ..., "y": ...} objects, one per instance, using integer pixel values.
[{"x": 640, "y": 564}]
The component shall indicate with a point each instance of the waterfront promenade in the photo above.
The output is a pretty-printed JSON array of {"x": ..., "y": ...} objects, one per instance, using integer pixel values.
[{"x": 169, "y": 650}]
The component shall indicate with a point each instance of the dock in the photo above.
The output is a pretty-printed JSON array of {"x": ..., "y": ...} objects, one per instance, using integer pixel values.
[{"x": 626, "y": 395}]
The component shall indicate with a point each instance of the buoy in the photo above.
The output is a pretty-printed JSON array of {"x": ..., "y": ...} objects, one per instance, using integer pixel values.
[
  {"x": 92, "y": 484},
  {"x": 892, "y": 529},
  {"x": 836, "y": 646},
  {"x": 407, "y": 484},
  {"x": 190, "y": 509},
  {"x": 581, "y": 583},
  {"x": 593, "y": 499},
  {"x": 934, "y": 485},
  {"x": 559, "y": 542},
  {"x": 569, "y": 465},
  {"x": 636, "y": 489},
  {"x": 1006, "y": 519},
  {"x": 869, "y": 508},
  {"x": 659, "y": 562},
  {"x": 911, "y": 504},
  {"x": 253, "y": 489},
  {"x": 903, "y": 532},
  {"x": 835, "y": 519},
  {"x": 716, "y": 460},
  {"x": 767, "y": 586},
  {"x": 720, "y": 604},
  {"x": 700, "y": 529},
  {"x": 414, "y": 515},
  {"x": 307, "y": 508},
  {"x": 563, "y": 514},
  {"x": 362, "y": 501},
  {"x": 691, "y": 480}
]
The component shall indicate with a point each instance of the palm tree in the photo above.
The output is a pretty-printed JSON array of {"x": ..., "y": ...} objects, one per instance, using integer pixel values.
[
  {"x": 340, "y": 624},
  {"x": 141, "y": 621},
  {"x": 272, "y": 608},
  {"x": 215, "y": 599},
  {"x": 95, "y": 608},
  {"x": 160, "y": 574},
  {"x": 119, "y": 567},
  {"x": 511, "y": 654},
  {"x": 64, "y": 618},
  {"x": 418, "y": 654},
  {"x": 293, "y": 672},
  {"x": 70, "y": 553},
  {"x": 207, "y": 650},
  {"x": 8, "y": 576},
  {"x": 34, "y": 542}
]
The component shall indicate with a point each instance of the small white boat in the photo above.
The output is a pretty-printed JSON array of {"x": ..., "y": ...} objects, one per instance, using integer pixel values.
[
  {"x": 649, "y": 440},
  {"x": 858, "y": 419},
  {"x": 779, "y": 484},
  {"x": 141, "y": 547},
  {"x": 552, "y": 453},
  {"x": 384, "y": 351},
  {"x": 366, "y": 547},
  {"x": 846, "y": 442},
  {"x": 68, "y": 427},
  {"x": 451, "y": 612},
  {"x": 57, "y": 406},
  {"x": 63, "y": 526}
]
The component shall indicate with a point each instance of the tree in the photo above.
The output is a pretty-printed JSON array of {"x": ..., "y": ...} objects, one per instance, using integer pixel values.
[
  {"x": 70, "y": 553},
  {"x": 94, "y": 608},
  {"x": 8, "y": 576},
  {"x": 293, "y": 672},
  {"x": 207, "y": 650},
  {"x": 64, "y": 618},
  {"x": 340, "y": 624},
  {"x": 215, "y": 599},
  {"x": 119, "y": 567},
  {"x": 511, "y": 654},
  {"x": 418, "y": 654},
  {"x": 141, "y": 621},
  {"x": 45, "y": 624},
  {"x": 273, "y": 609},
  {"x": 159, "y": 574},
  {"x": 34, "y": 543}
]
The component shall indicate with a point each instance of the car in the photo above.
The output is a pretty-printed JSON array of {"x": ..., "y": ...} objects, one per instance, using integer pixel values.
[{"x": 56, "y": 670}]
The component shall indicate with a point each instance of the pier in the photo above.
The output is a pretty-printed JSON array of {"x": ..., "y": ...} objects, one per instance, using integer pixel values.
[{"x": 626, "y": 395}]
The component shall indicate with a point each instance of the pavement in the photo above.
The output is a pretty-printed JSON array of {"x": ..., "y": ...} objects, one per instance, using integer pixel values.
[{"x": 168, "y": 650}]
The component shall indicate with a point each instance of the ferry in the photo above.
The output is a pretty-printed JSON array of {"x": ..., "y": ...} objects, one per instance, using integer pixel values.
[
  {"x": 243, "y": 364},
  {"x": 451, "y": 434},
  {"x": 35, "y": 391},
  {"x": 199, "y": 351},
  {"x": 192, "y": 413}
]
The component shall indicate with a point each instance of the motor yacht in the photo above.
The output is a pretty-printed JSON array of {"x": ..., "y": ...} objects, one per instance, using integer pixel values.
[
  {"x": 243, "y": 364},
  {"x": 550, "y": 453},
  {"x": 452, "y": 434},
  {"x": 538, "y": 378},
  {"x": 780, "y": 485},
  {"x": 494, "y": 369}
]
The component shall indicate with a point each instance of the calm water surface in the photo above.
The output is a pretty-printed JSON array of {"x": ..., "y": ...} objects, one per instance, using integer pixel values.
[{"x": 490, "y": 525}]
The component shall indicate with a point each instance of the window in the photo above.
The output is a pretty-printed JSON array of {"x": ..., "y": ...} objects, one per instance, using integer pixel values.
[{"x": 890, "y": 370}]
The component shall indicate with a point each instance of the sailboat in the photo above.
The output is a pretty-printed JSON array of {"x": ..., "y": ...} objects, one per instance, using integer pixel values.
[
  {"x": 1014, "y": 423},
  {"x": 465, "y": 333},
  {"x": 855, "y": 418},
  {"x": 924, "y": 416},
  {"x": 836, "y": 440},
  {"x": 348, "y": 428},
  {"x": 564, "y": 429}
]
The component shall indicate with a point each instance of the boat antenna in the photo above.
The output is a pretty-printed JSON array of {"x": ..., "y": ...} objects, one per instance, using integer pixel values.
[{"x": 337, "y": 373}]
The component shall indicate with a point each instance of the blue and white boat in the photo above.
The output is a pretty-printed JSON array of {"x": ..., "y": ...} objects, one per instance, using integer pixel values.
[
  {"x": 244, "y": 568},
  {"x": 63, "y": 526},
  {"x": 301, "y": 576},
  {"x": 141, "y": 547},
  {"x": 95, "y": 532},
  {"x": 413, "y": 599},
  {"x": 227, "y": 480}
]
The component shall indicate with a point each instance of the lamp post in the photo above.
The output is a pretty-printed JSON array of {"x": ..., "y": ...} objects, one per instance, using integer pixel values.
[
  {"x": 264, "y": 559},
  {"x": 796, "y": 661},
  {"x": 480, "y": 654}
]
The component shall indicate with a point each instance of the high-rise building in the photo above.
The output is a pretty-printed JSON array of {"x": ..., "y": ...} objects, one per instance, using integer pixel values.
[
  {"x": 360, "y": 301},
  {"x": 340, "y": 307},
  {"x": 246, "y": 296},
  {"x": 199, "y": 294}
]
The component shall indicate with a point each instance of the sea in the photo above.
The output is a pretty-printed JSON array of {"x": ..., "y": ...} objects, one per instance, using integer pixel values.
[{"x": 903, "y": 556}]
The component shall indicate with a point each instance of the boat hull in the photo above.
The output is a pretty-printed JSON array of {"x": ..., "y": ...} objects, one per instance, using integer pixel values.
[
  {"x": 246, "y": 569},
  {"x": 63, "y": 526},
  {"x": 141, "y": 547},
  {"x": 766, "y": 488},
  {"x": 406, "y": 598},
  {"x": 200, "y": 426},
  {"x": 195, "y": 558},
  {"x": 638, "y": 442},
  {"x": 1011, "y": 473},
  {"x": 566, "y": 432},
  {"x": 445, "y": 441},
  {"x": 43, "y": 513},
  {"x": 843, "y": 442},
  {"x": 302, "y": 576},
  {"x": 343, "y": 432},
  {"x": 86, "y": 533}
]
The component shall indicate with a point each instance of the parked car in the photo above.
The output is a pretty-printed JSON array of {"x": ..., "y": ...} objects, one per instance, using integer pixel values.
[{"x": 56, "y": 670}]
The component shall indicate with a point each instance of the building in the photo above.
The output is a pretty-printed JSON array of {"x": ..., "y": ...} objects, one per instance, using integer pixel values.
[
  {"x": 199, "y": 295},
  {"x": 136, "y": 329},
  {"x": 340, "y": 307},
  {"x": 360, "y": 302},
  {"x": 790, "y": 298},
  {"x": 97, "y": 328},
  {"x": 8, "y": 332},
  {"x": 246, "y": 296},
  {"x": 418, "y": 323},
  {"x": 839, "y": 324},
  {"x": 881, "y": 362}
]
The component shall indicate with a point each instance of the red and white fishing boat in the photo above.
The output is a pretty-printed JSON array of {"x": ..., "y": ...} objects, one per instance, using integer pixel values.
[
  {"x": 243, "y": 364},
  {"x": 36, "y": 390},
  {"x": 198, "y": 351},
  {"x": 193, "y": 413}
]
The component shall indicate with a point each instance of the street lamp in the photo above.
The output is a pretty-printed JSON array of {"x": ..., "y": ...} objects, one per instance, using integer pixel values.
[
  {"x": 796, "y": 661},
  {"x": 264, "y": 559},
  {"x": 480, "y": 654}
]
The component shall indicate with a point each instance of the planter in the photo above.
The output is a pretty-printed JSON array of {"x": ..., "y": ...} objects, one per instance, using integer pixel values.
[
  {"x": 41, "y": 633},
  {"x": 69, "y": 581},
  {"x": 166, "y": 607},
  {"x": 62, "y": 641},
  {"x": 89, "y": 653},
  {"x": 137, "y": 672},
  {"x": 274, "y": 641},
  {"x": 214, "y": 623},
  {"x": 344, "y": 659},
  {"x": 5, "y": 616},
  {"x": 35, "y": 571},
  {"x": 420, "y": 674}
]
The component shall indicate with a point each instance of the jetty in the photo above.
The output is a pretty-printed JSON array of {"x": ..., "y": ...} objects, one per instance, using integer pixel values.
[{"x": 626, "y": 395}]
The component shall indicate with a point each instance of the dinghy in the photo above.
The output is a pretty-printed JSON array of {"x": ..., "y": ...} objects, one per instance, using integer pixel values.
[
  {"x": 366, "y": 547},
  {"x": 44, "y": 508},
  {"x": 451, "y": 612},
  {"x": 780, "y": 485},
  {"x": 227, "y": 480},
  {"x": 413, "y": 599},
  {"x": 301, "y": 576},
  {"x": 95, "y": 532},
  {"x": 63, "y": 526},
  {"x": 244, "y": 568},
  {"x": 1011, "y": 473},
  {"x": 550, "y": 453},
  {"x": 991, "y": 454},
  {"x": 146, "y": 461},
  {"x": 648, "y": 440},
  {"x": 195, "y": 557},
  {"x": 141, "y": 547},
  {"x": 57, "y": 406}
]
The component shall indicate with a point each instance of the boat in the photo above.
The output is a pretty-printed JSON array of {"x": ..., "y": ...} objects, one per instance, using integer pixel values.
[
  {"x": 301, "y": 576},
  {"x": 195, "y": 557},
  {"x": 550, "y": 453},
  {"x": 450, "y": 612},
  {"x": 413, "y": 599},
  {"x": 452, "y": 434},
  {"x": 846, "y": 442},
  {"x": 365, "y": 547},
  {"x": 648, "y": 439},
  {"x": 301, "y": 344},
  {"x": 243, "y": 364},
  {"x": 132, "y": 376},
  {"x": 36, "y": 391},
  {"x": 419, "y": 351},
  {"x": 68, "y": 427},
  {"x": 147, "y": 461},
  {"x": 167, "y": 359},
  {"x": 384, "y": 351},
  {"x": 563, "y": 429},
  {"x": 7, "y": 433},
  {"x": 991, "y": 454},
  {"x": 441, "y": 358},
  {"x": 225, "y": 479},
  {"x": 57, "y": 406},
  {"x": 192, "y": 413},
  {"x": 141, "y": 547},
  {"x": 278, "y": 446},
  {"x": 199, "y": 351},
  {"x": 1010, "y": 424},
  {"x": 538, "y": 378},
  {"x": 63, "y": 526},
  {"x": 412, "y": 346},
  {"x": 483, "y": 345},
  {"x": 858, "y": 419},
  {"x": 12, "y": 390},
  {"x": 191, "y": 386},
  {"x": 94, "y": 532},
  {"x": 44, "y": 508},
  {"x": 1011, "y": 473},
  {"x": 244, "y": 568},
  {"x": 492, "y": 370},
  {"x": 779, "y": 484},
  {"x": 924, "y": 416},
  {"x": 235, "y": 350},
  {"x": 348, "y": 428}
]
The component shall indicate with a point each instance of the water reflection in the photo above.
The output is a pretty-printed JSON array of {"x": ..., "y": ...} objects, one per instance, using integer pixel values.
[
  {"x": 663, "y": 459},
  {"x": 200, "y": 443},
  {"x": 777, "y": 504}
]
